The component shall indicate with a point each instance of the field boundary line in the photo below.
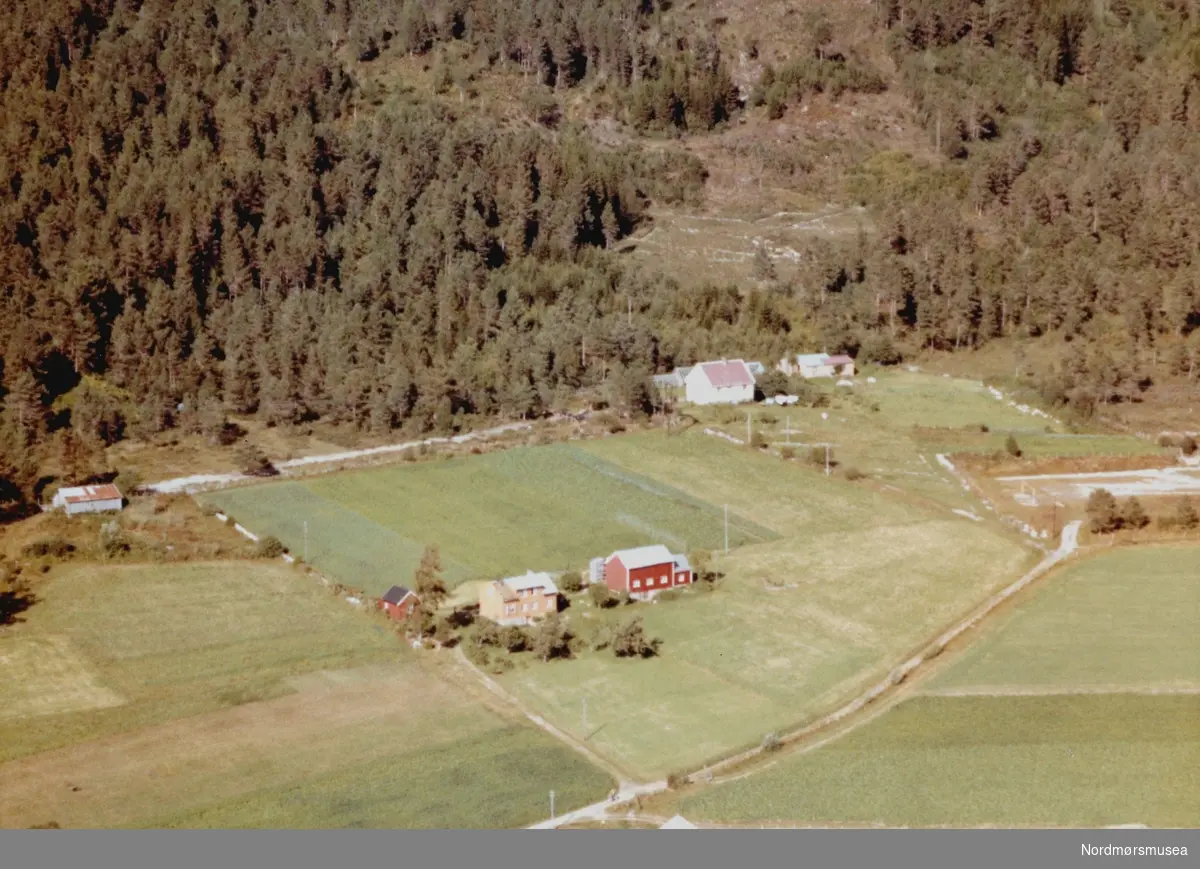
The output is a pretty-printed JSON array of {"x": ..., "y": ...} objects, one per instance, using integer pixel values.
[
  {"x": 1035, "y": 691},
  {"x": 207, "y": 482}
]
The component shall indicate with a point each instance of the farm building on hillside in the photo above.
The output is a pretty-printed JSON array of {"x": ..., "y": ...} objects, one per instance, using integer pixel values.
[
  {"x": 398, "y": 602},
  {"x": 817, "y": 365},
  {"x": 672, "y": 385},
  {"x": 519, "y": 600},
  {"x": 729, "y": 381},
  {"x": 88, "y": 499},
  {"x": 645, "y": 571},
  {"x": 668, "y": 381},
  {"x": 843, "y": 366}
]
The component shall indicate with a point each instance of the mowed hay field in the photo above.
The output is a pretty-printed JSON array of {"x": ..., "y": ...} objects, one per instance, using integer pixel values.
[
  {"x": 241, "y": 694},
  {"x": 893, "y": 429},
  {"x": 499, "y": 514},
  {"x": 1125, "y": 620},
  {"x": 797, "y": 625},
  {"x": 1078, "y": 708},
  {"x": 1072, "y": 761}
]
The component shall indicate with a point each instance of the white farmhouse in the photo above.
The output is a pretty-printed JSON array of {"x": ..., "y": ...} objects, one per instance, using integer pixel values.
[
  {"x": 729, "y": 381},
  {"x": 88, "y": 499}
]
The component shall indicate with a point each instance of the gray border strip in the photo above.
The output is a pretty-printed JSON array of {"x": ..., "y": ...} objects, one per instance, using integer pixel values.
[{"x": 743, "y": 849}]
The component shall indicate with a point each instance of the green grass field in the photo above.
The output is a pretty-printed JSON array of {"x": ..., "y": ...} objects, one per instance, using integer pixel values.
[
  {"x": 797, "y": 625},
  {"x": 242, "y": 694},
  {"x": 1061, "y": 714},
  {"x": 168, "y": 641},
  {"x": 918, "y": 415},
  {"x": 499, "y": 514},
  {"x": 1083, "y": 761},
  {"x": 1121, "y": 619}
]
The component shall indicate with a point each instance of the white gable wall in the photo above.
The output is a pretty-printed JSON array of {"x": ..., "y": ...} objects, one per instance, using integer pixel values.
[
  {"x": 701, "y": 391},
  {"x": 93, "y": 506}
]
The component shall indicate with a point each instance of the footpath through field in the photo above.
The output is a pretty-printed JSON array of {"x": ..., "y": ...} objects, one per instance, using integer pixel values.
[{"x": 600, "y": 811}]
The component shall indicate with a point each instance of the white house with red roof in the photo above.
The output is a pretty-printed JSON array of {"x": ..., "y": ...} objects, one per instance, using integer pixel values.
[{"x": 729, "y": 381}]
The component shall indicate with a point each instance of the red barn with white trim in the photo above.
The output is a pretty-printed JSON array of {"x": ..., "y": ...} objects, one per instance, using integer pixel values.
[{"x": 645, "y": 571}]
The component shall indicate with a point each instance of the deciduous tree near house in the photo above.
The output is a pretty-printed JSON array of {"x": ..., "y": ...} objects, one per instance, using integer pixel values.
[
  {"x": 485, "y": 633},
  {"x": 514, "y": 638},
  {"x": 572, "y": 581},
  {"x": 552, "y": 639},
  {"x": 630, "y": 641},
  {"x": 428, "y": 583},
  {"x": 771, "y": 383},
  {"x": 600, "y": 595}
]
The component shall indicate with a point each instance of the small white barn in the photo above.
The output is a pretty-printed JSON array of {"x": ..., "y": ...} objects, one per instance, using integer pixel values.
[
  {"x": 817, "y": 365},
  {"x": 729, "y": 381},
  {"x": 88, "y": 499}
]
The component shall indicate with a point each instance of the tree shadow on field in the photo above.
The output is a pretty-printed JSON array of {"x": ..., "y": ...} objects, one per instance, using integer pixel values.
[{"x": 13, "y": 602}]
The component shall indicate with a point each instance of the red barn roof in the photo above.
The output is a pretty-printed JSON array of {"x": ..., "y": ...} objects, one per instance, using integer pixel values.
[
  {"x": 838, "y": 360},
  {"x": 727, "y": 373},
  {"x": 87, "y": 494}
]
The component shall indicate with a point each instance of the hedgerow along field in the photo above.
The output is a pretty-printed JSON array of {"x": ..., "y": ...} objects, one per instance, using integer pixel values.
[
  {"x": 1078, "y": 708},
  {"x": 498, "y": 514},
  {"x": 797, "y": 625},
  {"x": 244, "y": 694}
]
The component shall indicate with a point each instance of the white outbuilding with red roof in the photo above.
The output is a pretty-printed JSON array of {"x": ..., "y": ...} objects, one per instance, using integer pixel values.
[
  {"x": 88, "y": 499},
  {"x": 729, "y": 381}
]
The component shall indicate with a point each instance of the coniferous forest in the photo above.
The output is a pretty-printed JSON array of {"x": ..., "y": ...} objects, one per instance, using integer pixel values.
[{"x": 204, "y": 211}]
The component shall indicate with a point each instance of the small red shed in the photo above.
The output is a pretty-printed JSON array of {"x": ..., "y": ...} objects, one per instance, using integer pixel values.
[{"x": 398, "y": 602}]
